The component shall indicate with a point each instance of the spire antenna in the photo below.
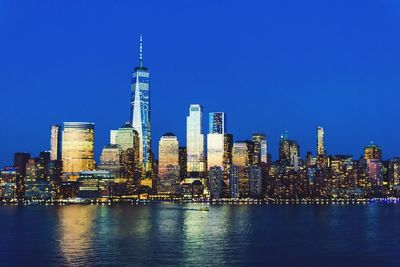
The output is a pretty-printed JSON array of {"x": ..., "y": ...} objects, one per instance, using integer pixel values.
[{"x": 141, "y": 51}]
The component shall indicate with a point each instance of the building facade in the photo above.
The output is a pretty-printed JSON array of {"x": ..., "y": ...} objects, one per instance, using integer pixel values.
[
  {"x": 55, "y": 142},
  {"x": 195, "y": 141},
  {"x": 140, "y": 108},
  {"x": 77, "y": 149},
  {"x": 168, "y": 165}
]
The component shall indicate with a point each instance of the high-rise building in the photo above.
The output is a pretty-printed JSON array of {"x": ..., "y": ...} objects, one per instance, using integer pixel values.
[
  {"x": 288, "y": 150},
  {"x": 242, "y": 158},
  {"x": 126, "y": 137},
  {"x": 320, "y": 141},
  {"x": 55, "y": 142},
  {"x": 372, "y": 152},
  {"x": 195, "y": 141},
  {"x": 8, "y": 178},
  {"x": 217, "y": 123},
  {"x": 216, "y": 140},
  {"x": 215, "y": 150},
  {"x": 20, "y": 161},
  {"x": 168, "y": 164},
  {"x": 234, "y": 190},
  {"x": 260, "y": 148},
  {"x": 182, "y": 163},
  {"x": 140, "y": 107},
  {"x": 215, "y": 176},
  {"x": 255, "y": 183},
  {"x": 110, "y": 159},
  {"x": 228, "y": 146},
  {"x": 37, "y": 185},
  {"x": 77, "y": 149}
]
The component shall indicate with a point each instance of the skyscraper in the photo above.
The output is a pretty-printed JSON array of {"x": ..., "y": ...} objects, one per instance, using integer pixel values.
[
  {"x": 217, "y": 123},
  {"x": 128, "y": 140},
  {"x": 260, "y": 148},
  {"x": 126, "y": 137},
  {"x": 140, "y": 107},
  {"x": 288, "y": 150},
  {"x": 110, "y": 159},
  {"x": 55, "y": 142},
  {"x": 168, "y": 164},
  {"x": 195, "y": 141},
  {"x": 320, "y": 141},
  {"x": 242, "y": 158},
  {"x": 372, "y": 152},
  {"x": 77, "y": 149},
  {"x": 20, "y": 161}
]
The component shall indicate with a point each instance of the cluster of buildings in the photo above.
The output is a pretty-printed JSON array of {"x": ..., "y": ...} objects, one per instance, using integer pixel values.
[{"x": 210, "y": 166}]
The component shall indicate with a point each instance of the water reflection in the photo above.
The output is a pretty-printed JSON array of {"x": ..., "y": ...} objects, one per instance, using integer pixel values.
[{"x": 76, "y": 233}]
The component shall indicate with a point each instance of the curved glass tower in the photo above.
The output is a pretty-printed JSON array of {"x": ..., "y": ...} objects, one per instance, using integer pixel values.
[{"x": 140, "y": 107}]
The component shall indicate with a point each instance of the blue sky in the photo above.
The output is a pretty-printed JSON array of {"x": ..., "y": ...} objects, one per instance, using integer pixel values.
[{"x": 270, "y": 65}]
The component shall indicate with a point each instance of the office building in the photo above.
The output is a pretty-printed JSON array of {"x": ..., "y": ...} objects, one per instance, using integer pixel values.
[
  {"x": 168, "y": 165},
  {"x": 320, "y": 141},
  {"x": 195, "y": 142},
  {"x": 55, "y": 142},
  {"x": 242, "y": 158},
  {"x": 77, "y": 149},
  {"x": 140, "y": 107}
]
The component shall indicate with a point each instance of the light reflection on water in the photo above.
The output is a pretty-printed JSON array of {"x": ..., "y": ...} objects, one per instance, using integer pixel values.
[{"x": 176, "y": 234}]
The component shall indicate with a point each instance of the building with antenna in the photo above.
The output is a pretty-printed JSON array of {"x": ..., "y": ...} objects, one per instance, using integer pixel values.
[{"x": 140, "y": 107}]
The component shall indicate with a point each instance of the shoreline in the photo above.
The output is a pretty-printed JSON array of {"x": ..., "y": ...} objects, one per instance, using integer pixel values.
[{"x": 110, "y": 202}]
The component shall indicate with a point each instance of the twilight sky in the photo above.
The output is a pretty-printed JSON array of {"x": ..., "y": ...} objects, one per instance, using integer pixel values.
[{"x": 270, "y": 65}]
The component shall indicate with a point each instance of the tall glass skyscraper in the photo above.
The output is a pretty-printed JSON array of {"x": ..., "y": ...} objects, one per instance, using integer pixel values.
[
  {"x": 77, "y": 149},
  {"x": 195, "y": 140},
  {"x": 140, "y": 107},
  {"x": 55, "y": 142},
  {"x": 320, "y": 141},
  {"x": 215, "y": 140},
  {"x": 217, "y": 123},
  {"x": 260, "y": 148}
]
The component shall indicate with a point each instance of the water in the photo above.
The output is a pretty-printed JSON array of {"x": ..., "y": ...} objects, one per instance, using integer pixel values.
[{"x": 175, "y": 234}]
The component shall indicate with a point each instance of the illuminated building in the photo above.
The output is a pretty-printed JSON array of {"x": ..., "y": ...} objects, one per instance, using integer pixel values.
[
  {"x": 37, "y": 185},
  {"x": 320, "y": 141},
  {"x": 110, "y": 159},
  {"x": 54, "y": 176},
  {"x": 375, "y": 168},
  {"x": 341, "y": 179},
  {"x": 126, "y": 137},
  {"x": 182, "y": 163},
  {"x": 215, "y": 176},
  {"x": 8, "y": 186},
  {"x": 228, "y": 145},
  {"x": 20, "y": 160},
  {"x": 255, "y": 181},
  {"x": 288, "y": 150},
  {"x": 394, "y": 172},
  {"x": 77, "y": 149},
  {"x": 372, "y": 152},
  {"x": 195, "y": 141},
  {"x": 168, "y": 164},
  {"x": 242, "y": 158},
  {"x": 260, "y": 148},
  {"x": 234, "y": 191},
  {"x": 95, "y": 184},
  {"x": 55, "y": 142},
  {"x": 217, "y": 123},
  {"x": 215, "y": 150},
  {"x": 375, "y": 173},
  {"x": 140, "y": 107}
]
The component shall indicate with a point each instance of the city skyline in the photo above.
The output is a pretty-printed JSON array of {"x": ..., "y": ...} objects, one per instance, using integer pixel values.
[{"x": 350, "y": 73}]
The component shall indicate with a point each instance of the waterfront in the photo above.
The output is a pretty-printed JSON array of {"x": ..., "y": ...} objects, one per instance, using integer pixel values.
[{"x": 180, "y": 234}]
